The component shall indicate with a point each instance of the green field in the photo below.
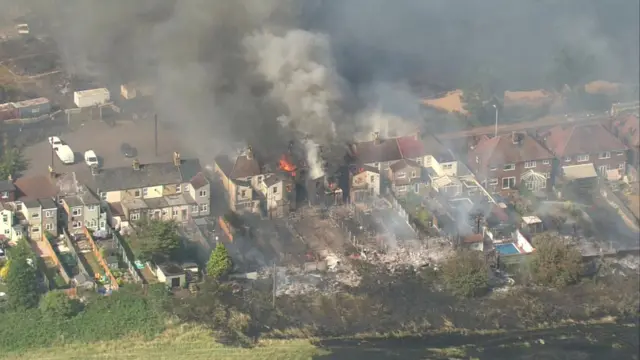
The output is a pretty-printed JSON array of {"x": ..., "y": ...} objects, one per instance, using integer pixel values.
[{"x": 181, "y": 343}]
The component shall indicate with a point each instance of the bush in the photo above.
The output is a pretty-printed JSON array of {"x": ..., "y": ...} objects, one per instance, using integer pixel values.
[
  {"x": 22, "y": 280},
  {"x": 219, "y": 263},
  {"x": 466, "y": 274},
  {"x": 555, "y": 262},
  {"x": 57, "y": 305}
]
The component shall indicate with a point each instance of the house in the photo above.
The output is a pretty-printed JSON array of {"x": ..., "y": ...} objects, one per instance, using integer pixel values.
[
  {"x": 239, "y": 178},
  {"x": 176, "y": 190},
  {"x": 80, "y": 206},
  {"x": 405, "y": 176},
  {"x": 378, "y": 153},
  {"x": 506, "y": 162},
  {"x": 7, "y": 190},
  {"x": 364, "y": 183},
  {"x": 35, "y": 206},
  {"x": 277, "y": 193},
  {"x": 587, "y": 143},
  {"x": 627, "y": 129}
]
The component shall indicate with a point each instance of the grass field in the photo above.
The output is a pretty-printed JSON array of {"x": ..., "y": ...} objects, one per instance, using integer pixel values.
[{"x": 181, "y": 343}]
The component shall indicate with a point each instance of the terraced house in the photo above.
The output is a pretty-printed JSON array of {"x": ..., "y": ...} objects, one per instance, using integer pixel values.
[
  {"x": 81, "y": 208},
  {"x": 176, "y": 190}
]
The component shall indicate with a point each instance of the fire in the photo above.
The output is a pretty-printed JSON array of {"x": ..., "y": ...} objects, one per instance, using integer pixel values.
[{"x": 286, "y": 165}]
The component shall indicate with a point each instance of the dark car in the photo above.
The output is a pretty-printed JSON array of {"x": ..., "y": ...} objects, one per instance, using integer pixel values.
[{"x": 128, "y": 150}]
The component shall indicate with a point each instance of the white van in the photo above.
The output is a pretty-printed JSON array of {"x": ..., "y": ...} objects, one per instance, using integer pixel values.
[
  {"x": 65, "y": 154},
  {"x": 91, "y": 158}
]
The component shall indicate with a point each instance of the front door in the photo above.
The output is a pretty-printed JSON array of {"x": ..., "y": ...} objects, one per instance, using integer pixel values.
[{"x": 175, "y": 282}]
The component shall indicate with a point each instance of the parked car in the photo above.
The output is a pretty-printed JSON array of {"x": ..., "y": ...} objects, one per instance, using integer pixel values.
[
  {"x": 128, "y": 150},
  {"x": 65, "y": 154},
  {"x": 55, "y": 141},
  {"x": 91, "y": 158}
]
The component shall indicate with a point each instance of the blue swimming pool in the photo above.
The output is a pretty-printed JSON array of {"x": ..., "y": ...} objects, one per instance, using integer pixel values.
[{"x": 507, "y": 249}]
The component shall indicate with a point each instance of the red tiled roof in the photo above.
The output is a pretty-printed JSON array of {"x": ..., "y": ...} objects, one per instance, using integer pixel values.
[
  {"x": 199, "y": 181},
  {"x": 582, "y": 139},
  {"x": 35, "y": 188},
  {"x": 399, "y": 165},
  {"x": 629, "y": 127},
  {"x": 501, "y": 150},
  {"x": 411, "y": 147},
  {"x": 403, "y": 147}
]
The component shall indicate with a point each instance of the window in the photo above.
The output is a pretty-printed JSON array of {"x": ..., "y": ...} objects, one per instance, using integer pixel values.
[
  {"x": 77, "y": 211},
  {"x": 48, "y": 213},
  {"x": 243, "y": 193},
  {"x": 91, "y": 207},
  {"x": 604, "y": 155},
  {"x": 18, "y": 233},
  {"x": 530, "y": 185},
  {"x": 260, "y": 179},
  {"x": 621, "y": 166},
  {"x": 583, "y": 158},
  {"x": 416, "y": 188},
  {"x": 274, "y": 189},
  {"x": 5, "y": 194},
  {"x": 178, "y": 189},
  {"x": 145, "y": 191},
  {"x": 493, "y": 181},
  {"x": 447, "y": 166},
  {"x": 18, "y": 206},
  {"x": 135, "y": 216},
  {"x": 164, "y": 212},
  {"x": 202, "y": 193},
  {"x": 77, "y": 224},
  {"x": 509, "y": 167},
  {"x": 102, "y": 224},
  {"x": 508, "y": 182},
  {"x": 546, "y": 162},
  {"x": 401, "y": 175},
  {"x": 194, "y": 209},
  {"x": 7, "y": 231},
  {"x": 402, "y": 188},
  {"x": 103, "y": 196},
  {"x": 620, "y": 153},
  {"x": 35, "y": 229},
  {"x": 547, "y": 175},
  {"x": 529, "y": 164},
  {"x": 477, "y": 160},
  {"x": 204, "y": 207},
  {"x": 49, "y": 227},
  {"x": 413, "y": 174},
  {"x": 5, "y": 218},
  {"x": 174, "y": 212},
  {"x": 35, "y": 215},
  {"x": 567, "y": 159},
  {"x": 91, "y": 224},
  {"x": 136, "y": 193},
  {"x": 186, "y": 188},
  {"x": 372, "y": 179},
  {"x": 493, "y": 169},
  {"x": 419, "y": 161}
]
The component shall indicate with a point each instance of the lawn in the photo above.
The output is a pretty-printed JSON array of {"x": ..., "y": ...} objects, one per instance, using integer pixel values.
[
  {"x": 178, "y": 343},
  {"x": 92, "y": 263}
]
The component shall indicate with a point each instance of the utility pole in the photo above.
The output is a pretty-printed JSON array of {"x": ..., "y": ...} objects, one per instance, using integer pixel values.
[
  {"x": 155, "y": 132},
  {"x": 496, "y": 127},
  {"x": 273, "y": 300}
]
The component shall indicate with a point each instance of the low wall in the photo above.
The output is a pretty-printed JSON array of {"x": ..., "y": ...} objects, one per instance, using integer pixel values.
[
  {"x": 103, "y": 263},
  {"x": 523, "y": 243},
  {"x": 56, "y": 260}
]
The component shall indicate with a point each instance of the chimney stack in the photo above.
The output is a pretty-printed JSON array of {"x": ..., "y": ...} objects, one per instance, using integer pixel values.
[
  {"x": 517, "y": 137},
  {"x": 136, "y": 164},
  {"x": 250, "y": 153},
  {"x": 376, "y": 138},
  {"x": 176, "y": 158},
  {"x": 10, "y": 178}
]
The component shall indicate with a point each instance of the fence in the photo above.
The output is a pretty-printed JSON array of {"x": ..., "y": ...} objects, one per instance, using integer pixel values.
[
  {"x": 225, "y": 227},
  {"x": 39, "y": 262},
  {"x": 127, "y": 256},
  {"x": 618, "y": 204},
  {"x": 56, "y": 260},
  {"x": 105, "y": 266}
]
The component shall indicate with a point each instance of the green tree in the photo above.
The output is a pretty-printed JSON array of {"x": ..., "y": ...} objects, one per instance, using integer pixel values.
[
  {"x": 157, "y": 238},
  {"x": 57, "y": 305},
  {"x": 555, "y": 262},
  {"x": 22, "y": 285},
  {"x": 12, "y": 163},
  {"x": 466, "y": 274},
  {"x": 219, "y": 263}
]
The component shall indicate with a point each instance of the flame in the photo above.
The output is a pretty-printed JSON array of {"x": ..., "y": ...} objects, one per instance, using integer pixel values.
[{"x": 286, "y": 165}]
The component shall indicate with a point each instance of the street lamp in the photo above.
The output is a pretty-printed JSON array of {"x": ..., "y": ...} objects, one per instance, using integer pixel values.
[{"x": 496, "y": 127}]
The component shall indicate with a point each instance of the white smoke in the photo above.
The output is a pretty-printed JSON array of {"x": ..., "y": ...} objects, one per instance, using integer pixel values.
[
  {"x": 385, "y": 124},
  {"x": 314, "y": 159},
  {"x": 299, "y": 66}
]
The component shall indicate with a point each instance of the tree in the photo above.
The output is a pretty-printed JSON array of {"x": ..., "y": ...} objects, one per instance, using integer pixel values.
[
  {"x": 219, "y": 263},
  {"x": 5, "y": 270},
  {"x": 555, "y": 262},
  {"x": 157, "y": 238},
  {"x": 57, "y": 305},
  {"x": 11, "y": 163},
  {"x": 466, "y": 274},
  {"x": 21, "y": 278}
]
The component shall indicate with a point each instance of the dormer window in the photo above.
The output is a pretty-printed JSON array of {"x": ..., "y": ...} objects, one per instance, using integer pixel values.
[
  {"x": 509, "y": 167},
  {"x": 178, "y": 189}
]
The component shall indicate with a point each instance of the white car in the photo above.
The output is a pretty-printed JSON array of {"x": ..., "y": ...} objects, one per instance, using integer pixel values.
[
  {"x": 91, "y": 158},
  {"x": 55, "y": 141}
]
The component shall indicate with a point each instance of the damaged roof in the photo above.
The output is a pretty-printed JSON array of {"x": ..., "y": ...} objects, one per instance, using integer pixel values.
[
  {"x": 403, "y": 147},
  {"x": 271, "y": 180},
  {"x": 582, "y": 139},
  {"x": 404, "y": 163},
  {"x": 244, "y": 166},
  {"x": 381, "y": 150},
  {"x": 154, "y": 174},
  {"x": 503, "y": 149}
]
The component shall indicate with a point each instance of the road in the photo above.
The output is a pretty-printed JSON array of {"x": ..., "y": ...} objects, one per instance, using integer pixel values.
[
  {"x": 105, "y": 141},
  {"x": 547, "y": 121}
]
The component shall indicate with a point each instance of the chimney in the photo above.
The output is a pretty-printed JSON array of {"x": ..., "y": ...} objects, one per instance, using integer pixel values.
[
  {"x": 516, "y": 137},
  {"x": 176, "y": 158},
  {"x": 10, "y": 178},
  {"x": 136, "y": 164},
  {"x": 376, "y": 138},
  {"x": 249, "y": 153}
]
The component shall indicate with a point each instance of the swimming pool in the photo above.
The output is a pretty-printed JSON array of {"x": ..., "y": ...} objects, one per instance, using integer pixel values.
[{"x": 507, "y": 249}]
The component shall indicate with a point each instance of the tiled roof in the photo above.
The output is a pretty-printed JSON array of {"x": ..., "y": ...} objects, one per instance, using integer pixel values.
[
  {"x": 199, "y": 181},
  {"x": 581, "y": 139},
  {"x": 501, "y": 150},
  {"x": 629, "y": 127},
  {"x": 35, "y": 187},
  {"x": 242, "y": 167},
  {"x": 399, "y": 165},
  {"x": 381, "y": 150},
  {"x": 155, "y": 174}
]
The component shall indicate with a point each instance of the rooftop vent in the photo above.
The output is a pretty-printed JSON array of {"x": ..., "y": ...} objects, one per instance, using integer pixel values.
[
  {"x": 176, "y": 158},
  {"x": 136, "y": 164}
]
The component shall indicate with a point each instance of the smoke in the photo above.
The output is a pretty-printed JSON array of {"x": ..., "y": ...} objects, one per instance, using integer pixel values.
[{"x": 314, "y": 161}]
